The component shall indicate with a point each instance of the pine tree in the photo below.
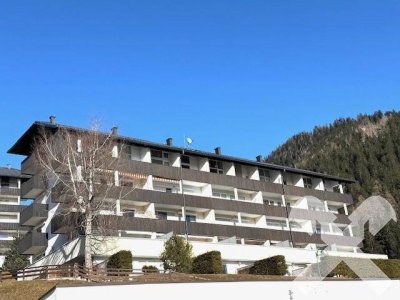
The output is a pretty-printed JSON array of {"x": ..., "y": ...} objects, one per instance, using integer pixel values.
[{"x": 14, "y": 260}]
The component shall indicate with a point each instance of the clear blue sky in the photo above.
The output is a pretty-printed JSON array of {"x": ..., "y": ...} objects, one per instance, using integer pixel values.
[{"x": 244, "y": 75}]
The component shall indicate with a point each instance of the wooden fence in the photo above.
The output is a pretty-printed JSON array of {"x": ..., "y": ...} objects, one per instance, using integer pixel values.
[{"x": 76, "y": 272}]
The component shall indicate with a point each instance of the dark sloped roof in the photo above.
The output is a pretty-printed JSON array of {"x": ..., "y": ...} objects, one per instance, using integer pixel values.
[
  {"x": 24, "y": 147},
  {"x": 10, "y": 172}
]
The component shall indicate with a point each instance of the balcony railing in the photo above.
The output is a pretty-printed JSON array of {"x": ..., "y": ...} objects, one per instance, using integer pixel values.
[
  {"x": 9, "y": 191},
  {"x": 11, "y": 208},
  {"x": 60, "y": 225},
  {"x": 322, "y": 195},
  {"x": 32, "y": 188},
  {"x": 33, "y": 243},
  {"x": 34, "y": 214}
]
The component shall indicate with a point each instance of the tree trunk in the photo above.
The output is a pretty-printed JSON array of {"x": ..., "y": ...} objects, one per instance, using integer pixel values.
[{"x": 88, "y": 244}]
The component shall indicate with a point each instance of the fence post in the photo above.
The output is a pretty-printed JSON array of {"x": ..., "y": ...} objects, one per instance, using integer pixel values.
[{"x": 75, "y": 270}]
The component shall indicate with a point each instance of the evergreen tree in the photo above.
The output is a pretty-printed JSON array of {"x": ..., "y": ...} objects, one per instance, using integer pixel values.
[
  {"x": 14, "y": 260},
  {"x": 177, "y": 255}
]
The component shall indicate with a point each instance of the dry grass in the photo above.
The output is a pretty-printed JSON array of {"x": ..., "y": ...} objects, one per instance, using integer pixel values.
[
  {"x": 28, "y": 290},
  {"x": 32, "y": 290}
]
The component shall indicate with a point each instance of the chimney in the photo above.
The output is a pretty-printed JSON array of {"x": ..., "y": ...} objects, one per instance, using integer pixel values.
[
  {"x": 259, "y": 158},
  {"x": 169, "y": 142},
  {"x": 52, "y": 120},
  {"x": 114, "y": 130},
  {"x": 218, "y": 150}
]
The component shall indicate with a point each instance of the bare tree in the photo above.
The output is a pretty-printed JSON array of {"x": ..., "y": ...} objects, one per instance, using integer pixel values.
[{"x": 81, "y": 168}]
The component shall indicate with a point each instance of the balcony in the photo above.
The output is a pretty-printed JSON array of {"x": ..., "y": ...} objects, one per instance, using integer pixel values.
[
  {"x": 30, "y": 165},
  {"x": 322, "y": 195},
  {"x": 226, "y": 180},
  {"x": 60, "y": 225},
  {"x": 7, "y": 191},
  {"x": 33, "y": 243},
  {"x": 34, "y": 214},
  {"x": 9, "y": 226},
  {"x": 32, "y": 188},
  {"x": 11, "y": 208}
]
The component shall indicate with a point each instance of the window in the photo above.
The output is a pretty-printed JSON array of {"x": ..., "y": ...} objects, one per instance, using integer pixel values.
[
  {"x": 248, "y": 220},
  {"x": 216, "y": 167},
  {"x": 126, "y": 152},
  {"x": 168, "y": 190},
  {"x": 273, "y": 202},
  {"x": 160, "y": 157},
  {"x": 318, "y": 228},
  {"x": 226, "y": 218},
  {"x": 161, "y": 215},
  {"x": 223, "y": 195},
  {"x": 185, "y": 162},
  {"x": 264, "y": 175},
  {"x": 238, "y": 170},
  {"x": 336, "y": 189},
  {"x": 307, "y": 182},
  {"x": 126, "y": 183},
  {"x": 190, "y": 218},
  {"x": 5, "y": 181},
  {"x": 276, "y": 223},
  {"x": 129, "y": 213}
]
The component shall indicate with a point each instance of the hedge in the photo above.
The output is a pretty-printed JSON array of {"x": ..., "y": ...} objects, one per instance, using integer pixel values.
[
  {"x": 149, "y": 269},
  {"x": 120, "y": 260},
  {"x": 208, "y": 263},
  {"x": 275, "y": 265},
  {"x": 390, "y": 267}
]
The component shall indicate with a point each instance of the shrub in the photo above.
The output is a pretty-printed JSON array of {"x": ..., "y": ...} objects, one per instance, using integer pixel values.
[
  {"x": 120, "y": 260},
  {"x": 275, "y": 265},
  {"x": 177, "y": 255},
  {"x": 390, "y": 267},
  {"x": 149, "y": 269},
  {"x": 208, "y": 263}
]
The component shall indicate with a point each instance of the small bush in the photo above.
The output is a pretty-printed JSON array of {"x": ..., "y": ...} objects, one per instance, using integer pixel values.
[
  {"x": 390, "y": 267},
  {"x": 149, "y": 269},
  {"x": 208, "y": 263},
  {"x": 120, "y": 260},
  {"x": 275, "y": 265}
]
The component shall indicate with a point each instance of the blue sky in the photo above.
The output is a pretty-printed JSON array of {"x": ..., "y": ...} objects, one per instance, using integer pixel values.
[{"x": 244, "y": 75}]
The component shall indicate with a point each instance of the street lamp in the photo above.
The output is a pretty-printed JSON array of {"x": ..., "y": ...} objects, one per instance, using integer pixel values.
[{"x": 187, "y": 141}]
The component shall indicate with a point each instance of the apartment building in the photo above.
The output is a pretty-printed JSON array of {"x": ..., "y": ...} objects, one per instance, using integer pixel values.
[
  {"x": 10, "y": 207},
  {"x": 247, "y": 210}
]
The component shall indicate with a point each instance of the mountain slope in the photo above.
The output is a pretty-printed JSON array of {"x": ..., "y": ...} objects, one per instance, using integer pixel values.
[{"x": 366, "y": 149}]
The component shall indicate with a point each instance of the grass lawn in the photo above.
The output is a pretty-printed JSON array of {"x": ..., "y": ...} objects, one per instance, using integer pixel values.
[{"x": 27, "y": 290}]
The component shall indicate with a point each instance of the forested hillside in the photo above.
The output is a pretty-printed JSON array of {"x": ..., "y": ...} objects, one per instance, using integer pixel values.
[{"x": 366, "y": 149}]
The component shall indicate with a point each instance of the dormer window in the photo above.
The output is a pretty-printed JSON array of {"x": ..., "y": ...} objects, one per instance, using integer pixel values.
[
  {"x": 264, "y": 175},
  {"x": 216, "y": 167},
  {"x": 160, "y": 157}
]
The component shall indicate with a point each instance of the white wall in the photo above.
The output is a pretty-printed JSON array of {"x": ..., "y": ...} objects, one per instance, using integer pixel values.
[{"x": 277, "y": 290}]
